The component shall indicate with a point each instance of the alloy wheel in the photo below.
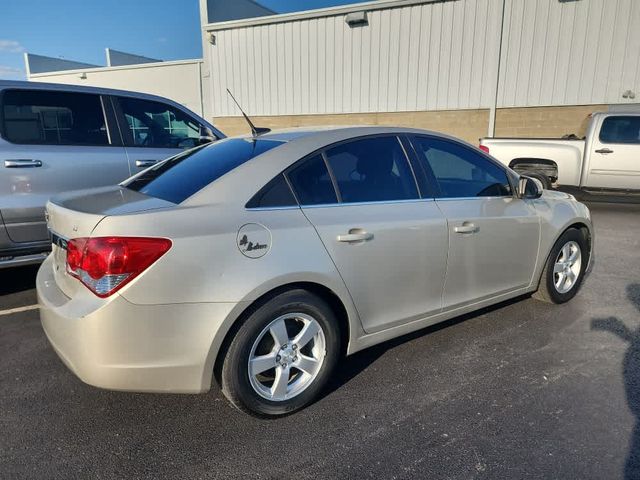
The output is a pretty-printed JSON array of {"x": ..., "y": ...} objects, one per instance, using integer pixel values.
[
  {"x": 286, "y": 356},
  {"x": 567, "y": 267}
]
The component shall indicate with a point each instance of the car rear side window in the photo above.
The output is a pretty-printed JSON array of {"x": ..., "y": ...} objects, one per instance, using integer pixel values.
[
  {"x": 459, "y": 171},
  {"x": 276, "y": 193},
  {"x": 311, "y": 182},
  {"x": 53, "y": 118},
  {"x": 620, "y": 129},
  {"x": 372, "y": 170},
  {"x": 181, "y": 176}
]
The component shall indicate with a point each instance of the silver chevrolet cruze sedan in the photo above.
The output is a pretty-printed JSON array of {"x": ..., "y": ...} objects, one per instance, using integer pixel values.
[{"x": 260, "y": 261}]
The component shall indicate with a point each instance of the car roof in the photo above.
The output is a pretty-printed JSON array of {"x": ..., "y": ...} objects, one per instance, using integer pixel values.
[
  {"x": 330, "y": 134},
  {"x": 62, "y": 87}
]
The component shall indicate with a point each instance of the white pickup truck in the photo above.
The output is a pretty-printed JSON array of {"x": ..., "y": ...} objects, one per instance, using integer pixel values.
[{"x": 602, "y": 159}]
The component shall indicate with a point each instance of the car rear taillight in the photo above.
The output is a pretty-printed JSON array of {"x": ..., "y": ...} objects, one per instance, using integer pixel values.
[
  {"x": 106, "y": 264},
  {"x": 484, "y": 148}
]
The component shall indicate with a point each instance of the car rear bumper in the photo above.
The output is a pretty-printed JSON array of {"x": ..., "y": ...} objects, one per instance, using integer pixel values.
[{"x": 117, "y": 345}]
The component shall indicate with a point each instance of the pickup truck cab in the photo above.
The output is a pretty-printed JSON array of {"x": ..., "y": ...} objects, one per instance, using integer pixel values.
[
  {"x": 602, "y": 159},
  {"x": 55, "y": 138}
]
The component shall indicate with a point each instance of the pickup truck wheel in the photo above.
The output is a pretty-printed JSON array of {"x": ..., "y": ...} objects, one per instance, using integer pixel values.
[
  {"x": 564, "y": 270},
  {"x": 546, "y": 183}
]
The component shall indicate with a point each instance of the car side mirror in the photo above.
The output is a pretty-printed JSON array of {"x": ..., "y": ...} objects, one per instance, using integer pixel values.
[
  {"x": 206, "y": 135},
  {"x": 529, "y": 187}
]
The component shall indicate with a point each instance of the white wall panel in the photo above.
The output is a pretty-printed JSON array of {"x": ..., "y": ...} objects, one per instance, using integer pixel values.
[
  {"x": 179, "y": 81},
  {"x": 414, "y": 57},
  {"x": 569, "y": 53},
  {"x": 431, "y": 56}
]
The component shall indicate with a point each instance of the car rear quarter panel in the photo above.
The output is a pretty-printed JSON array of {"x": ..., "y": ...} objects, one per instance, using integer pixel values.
[{"x": 205, "y": 264}]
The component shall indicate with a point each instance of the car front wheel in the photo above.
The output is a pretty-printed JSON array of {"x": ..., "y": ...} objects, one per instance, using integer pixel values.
[
  {"x": 565, "y": 267},
  {"x": 282, "y": 355}
]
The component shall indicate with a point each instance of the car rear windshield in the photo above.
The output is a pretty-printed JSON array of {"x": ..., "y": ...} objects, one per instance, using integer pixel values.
[{"x": 181, "y": 176}]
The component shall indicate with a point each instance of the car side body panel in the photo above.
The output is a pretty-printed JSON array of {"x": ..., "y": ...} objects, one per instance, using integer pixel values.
[{"x": 481, "y": 266}]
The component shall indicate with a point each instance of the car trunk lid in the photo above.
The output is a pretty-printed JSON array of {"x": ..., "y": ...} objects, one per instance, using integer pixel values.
[{"x": 76, "y": 214}]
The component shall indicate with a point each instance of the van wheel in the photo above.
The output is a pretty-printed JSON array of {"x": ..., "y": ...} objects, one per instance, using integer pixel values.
[
  {"x": 282, "y": 355},
  {"x": 564, "y": 271}
]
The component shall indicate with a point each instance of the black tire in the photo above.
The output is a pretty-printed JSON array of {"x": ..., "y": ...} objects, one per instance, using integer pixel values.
[
  {"x": 235, "y": 377},
  {"x": 546, "y": 183},
  {"x": 547, "y": 290}
]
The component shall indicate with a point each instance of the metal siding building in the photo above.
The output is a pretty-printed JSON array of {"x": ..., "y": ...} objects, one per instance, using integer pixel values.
[
  {"x": 569, "y": 53},
  {"x": 465, "y": 67},
  {"x": 424, "y": 57},
  {"x": 428, "y": 56}
]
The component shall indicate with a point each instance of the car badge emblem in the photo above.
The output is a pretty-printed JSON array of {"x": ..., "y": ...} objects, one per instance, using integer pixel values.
[{"x": 254, "y": 240}]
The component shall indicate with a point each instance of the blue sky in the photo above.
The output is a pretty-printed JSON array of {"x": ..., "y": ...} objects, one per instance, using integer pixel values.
[{"x": 81, "y": 29}]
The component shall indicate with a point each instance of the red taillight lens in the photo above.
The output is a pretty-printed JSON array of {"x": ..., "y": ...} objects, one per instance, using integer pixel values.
[
  {"x": 75, "y": 248},
  {"x": 106, "y": 264},
  {"x": 484, "y": 148}
]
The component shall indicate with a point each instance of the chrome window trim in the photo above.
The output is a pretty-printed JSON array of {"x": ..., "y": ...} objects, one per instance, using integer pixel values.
[
  {"x": 493, "y": 197},
  {"x": 266, "y": 209},
  {"x": 331, "y": 205},
  {"x": 378, "y": 202}
]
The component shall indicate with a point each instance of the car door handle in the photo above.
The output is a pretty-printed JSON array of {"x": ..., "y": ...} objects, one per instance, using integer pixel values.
[
  {"x": 466, "y": 228},
  {"x": 145, "y": 163},
  {"x": 604, "y": 151},
  {"x": 355, "y": 235},
  {"x": 22, "y": 163}
]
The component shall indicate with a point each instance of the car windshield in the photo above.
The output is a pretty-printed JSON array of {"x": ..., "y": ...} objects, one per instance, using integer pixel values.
[{"x": 181, "y": 176}]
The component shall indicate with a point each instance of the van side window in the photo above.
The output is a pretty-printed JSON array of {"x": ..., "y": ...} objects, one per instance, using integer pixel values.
[
  {"x": 53, "y": 118},
  {"x": 155, "y": 124}
]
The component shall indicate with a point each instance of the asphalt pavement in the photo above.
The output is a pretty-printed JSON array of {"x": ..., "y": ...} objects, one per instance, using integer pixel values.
[{"x": 521, "y": 390}]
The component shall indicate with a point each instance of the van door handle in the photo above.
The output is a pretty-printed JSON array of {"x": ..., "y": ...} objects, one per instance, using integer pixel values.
[
  {"x": 22, "y": 163},
  {"x": 466, "y": 227},
  {"x": 145, "y": 163},
  {"x": 355, "y": 235},
  {"x": 604, "y": 151}
]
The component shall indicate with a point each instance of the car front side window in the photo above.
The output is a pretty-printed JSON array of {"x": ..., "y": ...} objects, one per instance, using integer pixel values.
[
  {"x": 458, "y": 171},
  {"x": 154, "y": 124}
]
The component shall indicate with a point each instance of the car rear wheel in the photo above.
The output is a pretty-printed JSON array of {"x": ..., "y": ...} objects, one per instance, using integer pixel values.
[
  {"x": 282, "y": 355},
  {"x": 564, "y": 271}
]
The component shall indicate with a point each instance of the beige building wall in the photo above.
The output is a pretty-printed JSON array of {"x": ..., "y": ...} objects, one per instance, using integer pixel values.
[
  {"x": 543, "y": 121},
  {"x": 469, "y": 125},
  {"x": 466, "y": 124}
]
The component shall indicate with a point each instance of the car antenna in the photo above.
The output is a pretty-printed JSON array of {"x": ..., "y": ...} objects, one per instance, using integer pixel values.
[{"x": 255, "y": 131}]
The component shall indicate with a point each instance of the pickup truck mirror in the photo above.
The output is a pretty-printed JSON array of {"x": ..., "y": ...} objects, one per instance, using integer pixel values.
[{"x": 529, "y": 187}]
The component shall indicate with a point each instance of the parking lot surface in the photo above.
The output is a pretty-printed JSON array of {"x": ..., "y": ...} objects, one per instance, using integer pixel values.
[{"x": 522, "y": 390}]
